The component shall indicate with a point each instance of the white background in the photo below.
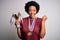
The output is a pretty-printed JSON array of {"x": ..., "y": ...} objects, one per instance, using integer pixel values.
[{"x": 51, "y": 8}]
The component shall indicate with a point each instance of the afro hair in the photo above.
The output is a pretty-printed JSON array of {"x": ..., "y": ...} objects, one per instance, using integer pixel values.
[{"x": 32, "y": 3}]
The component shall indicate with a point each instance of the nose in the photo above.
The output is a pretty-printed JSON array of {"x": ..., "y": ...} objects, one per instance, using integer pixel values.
[{"x": 32, "y": 12}]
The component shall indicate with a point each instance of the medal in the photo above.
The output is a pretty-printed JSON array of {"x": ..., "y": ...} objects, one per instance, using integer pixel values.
[
  {"x": 31, "y": 27},
  {"x": 30, "y": 33}
]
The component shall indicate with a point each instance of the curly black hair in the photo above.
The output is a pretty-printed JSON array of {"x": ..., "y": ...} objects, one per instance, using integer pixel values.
[{"x": 32, "y": 3}]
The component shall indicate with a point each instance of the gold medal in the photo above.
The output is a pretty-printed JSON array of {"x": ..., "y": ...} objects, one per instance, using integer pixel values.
[{"x": 29, "y": 33}]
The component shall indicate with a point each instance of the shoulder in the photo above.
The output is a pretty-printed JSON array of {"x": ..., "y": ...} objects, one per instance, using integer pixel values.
[
  {"x": 39, "y": 19},
  {"x": 25, "y": 19}
]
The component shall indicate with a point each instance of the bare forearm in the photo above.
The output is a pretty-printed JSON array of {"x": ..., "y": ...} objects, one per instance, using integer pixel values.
[
  {"x": 17, "y": 24},
  {"x": 18, "y": 32},
  {"x": 43, "y": 30}
]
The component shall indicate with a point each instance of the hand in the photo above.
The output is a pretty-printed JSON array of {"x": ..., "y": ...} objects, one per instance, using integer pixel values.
[
  {"x": 44, "y": 18},
  {"x": 19, "y": 14},
  {"x": 16, "y": 16},
  {"x": 17, "y": 22}
]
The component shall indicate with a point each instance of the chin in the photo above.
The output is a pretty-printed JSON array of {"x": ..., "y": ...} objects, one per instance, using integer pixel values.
[{"x": 32, "y": 17}]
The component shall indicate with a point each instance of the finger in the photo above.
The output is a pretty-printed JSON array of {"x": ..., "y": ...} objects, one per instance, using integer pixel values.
[
  {"x": 16, "y": 17},
  {"x": 19, "y": 14}
]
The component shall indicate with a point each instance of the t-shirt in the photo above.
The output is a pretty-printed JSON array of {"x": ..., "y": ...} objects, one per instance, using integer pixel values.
[{"x": 25, "y": 29}]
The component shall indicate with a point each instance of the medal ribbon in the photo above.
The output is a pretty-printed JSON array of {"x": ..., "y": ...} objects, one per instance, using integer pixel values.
[{"x": 31, "y": 27}]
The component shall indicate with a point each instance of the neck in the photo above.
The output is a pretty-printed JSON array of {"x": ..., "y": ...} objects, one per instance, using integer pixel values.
[{"x": 31, "y": 18}]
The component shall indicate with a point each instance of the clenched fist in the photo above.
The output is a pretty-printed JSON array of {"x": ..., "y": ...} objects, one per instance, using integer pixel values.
[{"x": 44, "y": 18}]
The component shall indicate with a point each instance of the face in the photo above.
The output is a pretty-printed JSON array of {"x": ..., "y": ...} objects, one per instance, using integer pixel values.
[{"x": 32, "y": 11}]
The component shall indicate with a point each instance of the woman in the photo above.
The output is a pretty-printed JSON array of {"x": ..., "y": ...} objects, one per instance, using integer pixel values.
[{"x": 32, "y": 27}]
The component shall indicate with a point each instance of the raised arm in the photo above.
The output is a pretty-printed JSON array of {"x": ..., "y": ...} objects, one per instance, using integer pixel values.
[
  {"x": 17, "y": 23},
  {"x": 43, "y": 29},
  {"x": 18, "y": 28}
]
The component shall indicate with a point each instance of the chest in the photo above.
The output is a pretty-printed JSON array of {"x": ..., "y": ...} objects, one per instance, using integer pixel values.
[{"x": 25, "y": 27}]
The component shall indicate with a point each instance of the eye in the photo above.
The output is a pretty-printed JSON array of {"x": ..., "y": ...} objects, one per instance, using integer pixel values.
[{"x": 34, "y": 10}]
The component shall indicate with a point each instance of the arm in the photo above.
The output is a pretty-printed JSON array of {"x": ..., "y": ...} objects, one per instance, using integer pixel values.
[
  {"x": 17, "y": 23},
  {"x": 43, "y": 30},
  {"x": 18, "y": 28},
  {"x": 18, "y": 32}
]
